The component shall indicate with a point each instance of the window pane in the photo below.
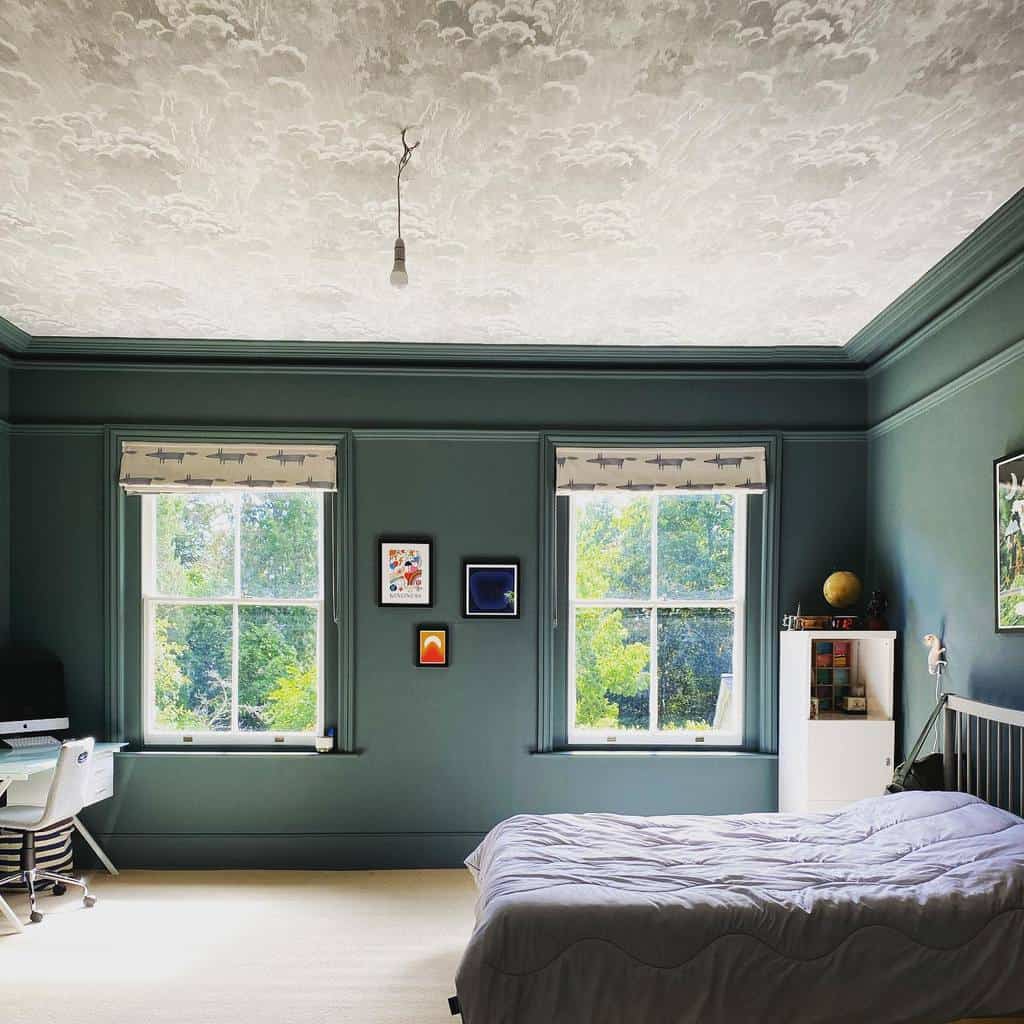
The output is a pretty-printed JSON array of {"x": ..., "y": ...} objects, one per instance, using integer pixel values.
[
  {"x": 195, "y": 545},
  {"x": 277, "y": 672},
  {"x": 192, "y": 667},
  {"x": 695, "y": 537},
  {"x": 280, "y": 549},
  {"x": 613, "y": 668},
  {"x": 613, "y": 547},
  {"x": 695, "y": 669}
]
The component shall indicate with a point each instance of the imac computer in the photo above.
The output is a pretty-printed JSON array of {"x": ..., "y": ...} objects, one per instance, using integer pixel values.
[{"x": 31, "y": 694}]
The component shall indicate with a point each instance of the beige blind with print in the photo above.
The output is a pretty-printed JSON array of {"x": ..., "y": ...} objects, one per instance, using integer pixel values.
[
  {"x": 661, "y": 469},
  {"x": 152, "y": 468}
]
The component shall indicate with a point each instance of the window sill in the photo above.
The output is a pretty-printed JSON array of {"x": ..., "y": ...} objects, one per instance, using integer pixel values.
[{"x": 653, "y": 752}]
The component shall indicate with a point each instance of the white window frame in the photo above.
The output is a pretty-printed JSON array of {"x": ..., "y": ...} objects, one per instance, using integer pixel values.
[
  {"x": 150, "y": 599},
  {"x": 654, "y": 736}
]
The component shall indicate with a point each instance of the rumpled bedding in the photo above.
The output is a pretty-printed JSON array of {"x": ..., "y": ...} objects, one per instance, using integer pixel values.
[{"x": 903, "y": 908}]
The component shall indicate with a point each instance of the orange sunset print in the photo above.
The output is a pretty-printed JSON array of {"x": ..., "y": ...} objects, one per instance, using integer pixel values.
[{"x": 433, "y": 646}]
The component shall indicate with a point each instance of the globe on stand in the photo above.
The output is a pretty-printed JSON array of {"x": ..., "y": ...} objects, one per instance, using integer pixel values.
[{"x": 842, "y": 589}]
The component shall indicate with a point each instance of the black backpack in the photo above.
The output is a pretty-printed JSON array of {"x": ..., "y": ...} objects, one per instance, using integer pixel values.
[{"x": 928, "y": 773}]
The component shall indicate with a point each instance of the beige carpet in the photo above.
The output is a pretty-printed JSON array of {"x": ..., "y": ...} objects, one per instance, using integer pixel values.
[
  {"x": 260, "y": 947},
  {"x": 257, "y": 947}
]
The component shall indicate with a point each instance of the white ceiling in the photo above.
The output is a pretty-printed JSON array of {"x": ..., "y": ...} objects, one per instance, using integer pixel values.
[{"x": 591, "y": 171}]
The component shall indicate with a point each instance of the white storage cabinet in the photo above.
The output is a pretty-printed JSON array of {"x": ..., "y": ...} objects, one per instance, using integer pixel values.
[{"x": 836, "y": 758}]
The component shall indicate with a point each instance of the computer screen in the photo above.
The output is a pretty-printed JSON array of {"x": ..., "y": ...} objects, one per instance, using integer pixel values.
[{"x": 31, "y": 693}]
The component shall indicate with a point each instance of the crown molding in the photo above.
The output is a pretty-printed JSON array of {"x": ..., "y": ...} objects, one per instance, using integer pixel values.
[
  {"x": 481, "y": 371},
  {"x": 454, "y": 434},
  {"x": 997, "y": 240},
  {"x": 1014, "y": 265},
  {"x": 56, "y": 429},
  {"x": 992, "y": 365},
  {"x": 824, "y": 436},
  {"x": 384, "y": 354},
  {"x": 13, "y": 339}
]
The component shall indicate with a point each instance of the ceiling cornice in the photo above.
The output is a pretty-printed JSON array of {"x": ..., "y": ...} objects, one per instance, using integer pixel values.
[
  {"x": 996, "y": 241},
  {"x": 396, "y": 353},
  {"x": 13, "y": 339}
]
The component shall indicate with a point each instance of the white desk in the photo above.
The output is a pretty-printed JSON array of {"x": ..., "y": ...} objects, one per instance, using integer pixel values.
[{"x": 25, "y": 777}]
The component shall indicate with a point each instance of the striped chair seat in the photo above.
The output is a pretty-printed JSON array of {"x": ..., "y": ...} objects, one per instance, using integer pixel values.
[{"x": 53, "y": 853}]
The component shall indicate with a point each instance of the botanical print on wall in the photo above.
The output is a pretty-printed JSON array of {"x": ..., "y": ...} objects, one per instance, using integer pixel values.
[
  {"x": 405, "y": 572},
  {"x": 1009, "y": 526}
]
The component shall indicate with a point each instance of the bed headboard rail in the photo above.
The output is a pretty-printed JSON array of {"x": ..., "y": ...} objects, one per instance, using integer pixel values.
[{"x": 984, "y": 752}]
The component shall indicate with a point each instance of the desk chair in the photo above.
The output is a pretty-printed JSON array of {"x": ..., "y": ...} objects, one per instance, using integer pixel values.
[{"x": 67, "y": 796}]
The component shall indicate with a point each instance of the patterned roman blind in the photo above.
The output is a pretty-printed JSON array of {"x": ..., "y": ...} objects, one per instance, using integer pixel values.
[
  {"x": 660, "y": 469},
  {"x": 150, "y": 468}
]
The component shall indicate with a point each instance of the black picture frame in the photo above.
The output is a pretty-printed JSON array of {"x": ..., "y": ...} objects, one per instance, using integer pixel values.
[
  {"x": 1002, "y": 522},
  {"x": 434, "y": 627},
  {"x": 379, "y": 571},
  {"x": 472, "y": 565}
]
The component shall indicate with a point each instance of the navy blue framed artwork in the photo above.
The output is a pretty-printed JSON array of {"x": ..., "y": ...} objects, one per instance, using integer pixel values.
[{"x": 490, "y": 590}]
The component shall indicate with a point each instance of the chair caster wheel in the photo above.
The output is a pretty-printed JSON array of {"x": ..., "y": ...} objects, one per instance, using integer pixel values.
[
  {"x": 89, "y": 901},
  {"x": 35, "y": 917},
  {"x": 59, "y": 890}
]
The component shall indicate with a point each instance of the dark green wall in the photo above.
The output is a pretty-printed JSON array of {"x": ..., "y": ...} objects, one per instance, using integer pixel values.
[
  {"x": 444, "y": 755},
  {"x": 930, "y": 495},
  {"x": 432, "y": 398},
  {"x": 5, "y": 503}
]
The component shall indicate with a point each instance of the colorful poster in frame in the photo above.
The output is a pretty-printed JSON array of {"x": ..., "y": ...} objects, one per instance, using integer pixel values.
[
  {"x": 1009, "y": 543},
  {"x": 490, "y": 590},
  {"x": 432, "y": 646},
  {"x": 406, "y": 572}
]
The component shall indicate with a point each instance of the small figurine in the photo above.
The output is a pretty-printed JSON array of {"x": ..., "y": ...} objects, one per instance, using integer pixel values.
[
  {"x": 936, "y": 662},
  {"x": 876, "y": 611}
]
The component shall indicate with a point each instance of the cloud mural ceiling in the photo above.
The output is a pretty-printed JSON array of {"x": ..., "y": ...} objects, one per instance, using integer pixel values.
[{"x": 752, "y": 172}]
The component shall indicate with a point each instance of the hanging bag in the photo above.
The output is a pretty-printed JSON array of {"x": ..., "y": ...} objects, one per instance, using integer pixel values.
[{"x": 926, "y": 773}]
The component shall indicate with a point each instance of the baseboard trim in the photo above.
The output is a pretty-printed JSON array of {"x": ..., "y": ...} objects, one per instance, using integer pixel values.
[{"x": 311, "y": 850}]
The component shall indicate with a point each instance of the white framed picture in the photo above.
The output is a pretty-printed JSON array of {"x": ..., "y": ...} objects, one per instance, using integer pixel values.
[
  {"x": 490, "y": 590},
  {"x": 406, "y": 572}
]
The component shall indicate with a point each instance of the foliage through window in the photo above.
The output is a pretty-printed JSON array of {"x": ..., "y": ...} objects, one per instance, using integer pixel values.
[
  {"x": 656, "y": 617},
  {"x": 233, "y": 607}
]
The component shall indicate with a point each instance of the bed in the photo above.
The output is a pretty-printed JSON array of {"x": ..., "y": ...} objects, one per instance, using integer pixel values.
[{"x": 901, "y": 908}]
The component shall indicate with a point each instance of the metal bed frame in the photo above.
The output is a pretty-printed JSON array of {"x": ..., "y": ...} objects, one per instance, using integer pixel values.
[{"x": 984, "y": 752}]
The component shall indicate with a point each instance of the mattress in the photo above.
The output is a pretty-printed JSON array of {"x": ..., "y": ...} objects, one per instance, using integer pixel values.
[{"x": 896, "y": 909}]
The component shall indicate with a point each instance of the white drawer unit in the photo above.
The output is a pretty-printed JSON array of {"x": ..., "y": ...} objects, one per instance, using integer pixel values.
[
  {"x": 828, "y": 758},
  {"x": 101, "y": 786}
]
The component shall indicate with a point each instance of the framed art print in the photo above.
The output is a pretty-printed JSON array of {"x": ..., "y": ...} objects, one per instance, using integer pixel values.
[
  {"x": 490, "y": 590},
  {"x": 1009, "y": 543},
  {"x": 406, "y": 573},
  {"x": 432, "y": 647}
]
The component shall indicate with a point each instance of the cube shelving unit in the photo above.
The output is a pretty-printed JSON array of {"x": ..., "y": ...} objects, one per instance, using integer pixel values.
[{"x": 837, "y": 758}]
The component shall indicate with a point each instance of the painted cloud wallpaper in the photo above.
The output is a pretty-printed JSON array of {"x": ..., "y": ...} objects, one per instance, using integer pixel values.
[{"x": 644, "y": 172}]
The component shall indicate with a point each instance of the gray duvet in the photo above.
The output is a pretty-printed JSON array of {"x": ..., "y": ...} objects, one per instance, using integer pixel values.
[{"x": 900, "y": 908}]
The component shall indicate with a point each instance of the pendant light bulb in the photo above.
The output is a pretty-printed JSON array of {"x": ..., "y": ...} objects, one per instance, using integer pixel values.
[{"x": 399, "y": 276}]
